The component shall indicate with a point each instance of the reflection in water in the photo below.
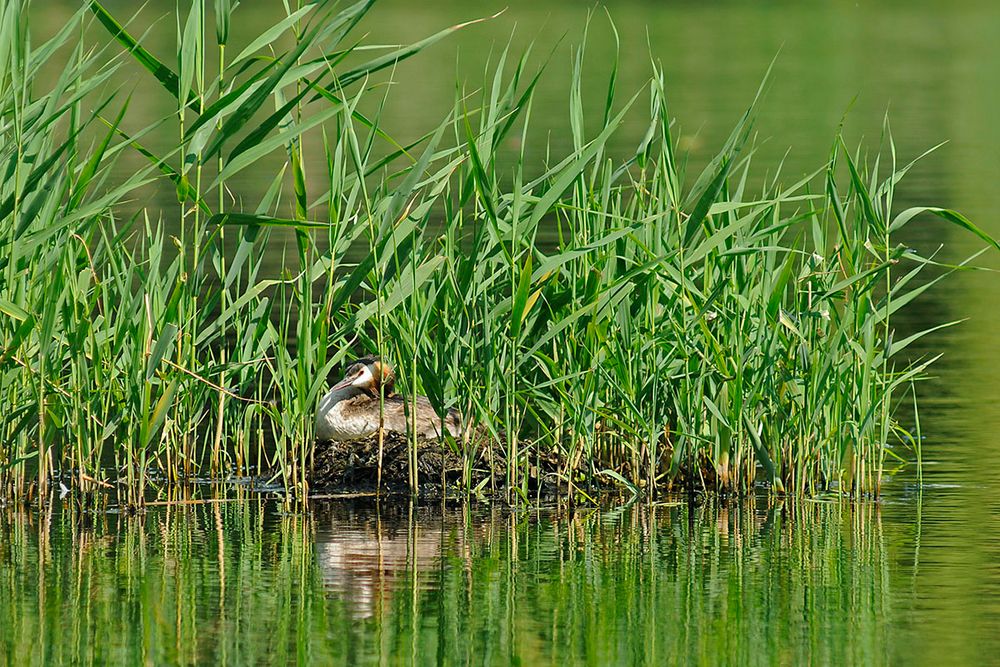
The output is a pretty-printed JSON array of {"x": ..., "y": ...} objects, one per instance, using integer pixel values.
[
  {"x": 363, "y": 556},
  {"x": 239, "y": 583}
]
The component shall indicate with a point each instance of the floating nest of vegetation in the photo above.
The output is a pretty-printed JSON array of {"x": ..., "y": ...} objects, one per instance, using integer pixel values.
[{"x": 354, "y": 466}]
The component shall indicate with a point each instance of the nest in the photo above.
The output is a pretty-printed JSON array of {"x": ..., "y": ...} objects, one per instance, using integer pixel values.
[{"x": 354, "y": 465}]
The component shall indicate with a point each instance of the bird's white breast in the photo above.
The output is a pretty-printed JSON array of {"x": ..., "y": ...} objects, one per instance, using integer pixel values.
[{"x": 334, "y": 423}]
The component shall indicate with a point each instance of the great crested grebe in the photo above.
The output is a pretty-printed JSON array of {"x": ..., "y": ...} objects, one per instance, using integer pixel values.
[{"x": 350, "y": 410}]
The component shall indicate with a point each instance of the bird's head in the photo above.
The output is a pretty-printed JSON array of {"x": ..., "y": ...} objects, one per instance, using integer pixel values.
[{"x": 368, "y": 374}]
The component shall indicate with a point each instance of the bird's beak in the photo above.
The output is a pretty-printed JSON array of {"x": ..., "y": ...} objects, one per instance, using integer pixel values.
[{"x": 343, "y": 384}]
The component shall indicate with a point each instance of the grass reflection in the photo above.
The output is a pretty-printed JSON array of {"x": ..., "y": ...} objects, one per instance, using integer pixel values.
[{"x": 750, "y": 582}]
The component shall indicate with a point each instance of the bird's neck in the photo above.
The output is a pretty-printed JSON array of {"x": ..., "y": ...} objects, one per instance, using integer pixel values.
[
  {"x": 335, "y": 396},
  {"x": 344, "y": 393}
]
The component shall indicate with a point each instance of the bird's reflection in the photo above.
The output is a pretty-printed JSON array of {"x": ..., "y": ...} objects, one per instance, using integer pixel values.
[{"x": 365, "y": 553}]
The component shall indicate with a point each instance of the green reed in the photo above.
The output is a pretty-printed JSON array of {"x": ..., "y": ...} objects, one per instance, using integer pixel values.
[{"x": 695, "y": 331}]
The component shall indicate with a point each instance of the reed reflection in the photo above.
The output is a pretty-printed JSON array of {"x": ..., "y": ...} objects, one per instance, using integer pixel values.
[{"x": 746, "y": 581}]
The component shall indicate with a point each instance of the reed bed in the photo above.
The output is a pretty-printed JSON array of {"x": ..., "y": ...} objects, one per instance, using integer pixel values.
[{"x": 685, "y": 331}]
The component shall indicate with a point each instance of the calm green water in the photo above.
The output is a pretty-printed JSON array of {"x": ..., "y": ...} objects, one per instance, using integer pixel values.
[
  {"x": 349, "y": 584},
  {"x": 912, "y": 580}
]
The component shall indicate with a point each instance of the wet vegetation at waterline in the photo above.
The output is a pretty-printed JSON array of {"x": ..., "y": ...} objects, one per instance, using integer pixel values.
[{"x": 714, "y": 330}]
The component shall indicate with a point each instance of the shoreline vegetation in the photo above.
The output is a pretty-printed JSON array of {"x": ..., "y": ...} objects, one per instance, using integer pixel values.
[{"x": 685, "y": 331}]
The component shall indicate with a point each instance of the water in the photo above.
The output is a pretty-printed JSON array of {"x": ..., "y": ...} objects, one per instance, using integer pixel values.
[
  {"x": 748, "y": 583},
  {"x": 240, "y": 583},
  {"x": 914, "y": 579}
]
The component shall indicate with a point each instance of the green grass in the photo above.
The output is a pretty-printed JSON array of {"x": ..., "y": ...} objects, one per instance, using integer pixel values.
[{"x": 686, "y": 330}]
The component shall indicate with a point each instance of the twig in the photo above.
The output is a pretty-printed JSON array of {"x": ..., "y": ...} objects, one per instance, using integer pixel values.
[
  {"x": 213, "y": 385},
  {"x": 88, "y": 478}
]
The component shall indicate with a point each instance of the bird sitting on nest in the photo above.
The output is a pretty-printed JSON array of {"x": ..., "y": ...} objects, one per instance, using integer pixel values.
[{"x": 351, "y": 411}]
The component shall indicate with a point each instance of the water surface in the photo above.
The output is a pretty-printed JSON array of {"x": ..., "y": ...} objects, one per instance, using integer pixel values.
[{"x": 755, "y": 582}]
